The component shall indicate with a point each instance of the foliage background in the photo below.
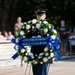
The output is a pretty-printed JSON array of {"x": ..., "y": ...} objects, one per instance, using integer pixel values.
[{"x": 56, "y": 11}]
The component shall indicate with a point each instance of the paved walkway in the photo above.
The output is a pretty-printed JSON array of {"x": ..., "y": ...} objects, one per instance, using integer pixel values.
[{"x": 63, "y": 67}]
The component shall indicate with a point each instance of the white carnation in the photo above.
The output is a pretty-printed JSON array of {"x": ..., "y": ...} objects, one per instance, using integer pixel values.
[
  {"x": 28, "y": 31},
  {"x": 31, "y": 54},
  {"x": 29, "y": 21},
  {"x": 17, "y": 40},
  {"x": 22, "y": 33},
  {"x": 38, "y": 26},
  {"x": 16, "y": 33},
  {"x": 24, "y": 36},
  {"x": 45, "y": 22},
  {"x": 50, "y": 27},
  {"x": 47, "y": 54},
  {"x": 45, "y": 59},
  {"x": 45, "y": 30},
  {"x": 41, "y": 54},
  {"x": 53, "y": 36},
  {"x": 49, "y": 57},
  {"x": 16, "y": 47},
  {"x": 33, "y": 27},
  {"x": 52, "y": 54},
  {"x": 23, "y": 27},
  {"x": 41, "y": 62},
  {"x": 34, "y": 21},
  {"x": 20, "y": 56},
  {"x": 51, "y": 50},
  {"x": 45, "y": 49},
  {"x": 26, "y": 53},
  {"x": 39, "y": 57},
  {"x": 27, "y": 27},
  {"x": 54, "y": 31},
  {"x": 23, "y": 50},
  {"x": 36, "y": 55},
  {"x": 35, "y": 62},
  {"x": 47, "y": 34},
  {"x": 25, "y": 23},
  {"x": 25, "y": 58}
]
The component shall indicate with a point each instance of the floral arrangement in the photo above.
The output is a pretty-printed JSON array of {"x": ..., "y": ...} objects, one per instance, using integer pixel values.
[{"x": 44, "y": 28}]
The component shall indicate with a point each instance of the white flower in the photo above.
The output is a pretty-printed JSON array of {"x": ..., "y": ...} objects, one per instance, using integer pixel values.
[
  {"x": 38, "y": 26},
  {"x": 46, "y": 54},
  {"x": 36, "y": 55},
  {"x": 34, "y": 21},
  {"x": 41, "y": 62},
  {"x": 27, "y": 27},
  {"x": 50, "y": 27},
  {"x": 20, "y": 56},
  {"x": 23, "y": 50},
  {"x": 24, "y": 36},
  {"x": 26, "y": 54},
  {"x": 54, "y": 31},
  {"x": 31, "y": 54},
  {"x": 45, "y": 22},
  {"x": 24, "y": 23},
  {"x": 29, "y": 21},
  {"x": 28, "y": 31},
  {"x": 45, "y": 30},
  {"x": 51, "y": 50},
  {"x": 22, "y": 33},
  {"x": 39, "y": 57},
  {"x": 45, "y": 59},
  {"x": 23, "y": 27},
  {"x": 16, "y": 33},
  {"x": 49, "y": 57},
  {"x": 53, "y": 36},
  {"x": 46, "y": 49},
  {"x": 41, "y": 54},
  {"x": 47, "y": 34},
  {"x": 33, "y": 27},
  {"x": 34, "y": 62},
  {"x": 25, "y": 58},
  {"x": 52, "y": 54},
  {"x": 16, "y": 47},
  {"x": 17, "y": 40}
]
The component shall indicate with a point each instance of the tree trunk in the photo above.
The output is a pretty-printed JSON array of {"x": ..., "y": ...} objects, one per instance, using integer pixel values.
[{"x": 6, "y": 13}]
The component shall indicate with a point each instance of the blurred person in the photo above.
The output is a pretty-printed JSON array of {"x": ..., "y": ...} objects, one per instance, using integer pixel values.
[
  {"x": 18, "y": 24},
  {"x": 5, "y": 34},
  {"x": 72, "y": 41},
  {"x": 1, "y": 36},
  {"x": 10, "y": 35},
  {"x": 64, "y": 32}
]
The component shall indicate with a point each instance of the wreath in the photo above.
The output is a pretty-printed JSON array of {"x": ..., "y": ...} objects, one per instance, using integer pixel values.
[{"x": 44, "y": 28}]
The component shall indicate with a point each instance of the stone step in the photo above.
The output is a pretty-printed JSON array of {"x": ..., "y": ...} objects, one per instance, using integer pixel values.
[
  {"x": 6, "y": 52},
  {"x": 10, "y": 63}
]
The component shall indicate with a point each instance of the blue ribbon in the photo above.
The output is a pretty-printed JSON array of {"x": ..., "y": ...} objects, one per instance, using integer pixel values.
[
  {"x": 15, "y": 56},
  {"x": 16, "y": 44},
  {"x": 57, "y": 54},
  {"x": 54, "y": 43},
  {"x": 13, "y": 40}
]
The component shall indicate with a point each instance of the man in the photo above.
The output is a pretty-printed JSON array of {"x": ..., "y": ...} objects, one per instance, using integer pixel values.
[
  {"x": 64, "y": 32},
  {"x": 39, "y": 69}
]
